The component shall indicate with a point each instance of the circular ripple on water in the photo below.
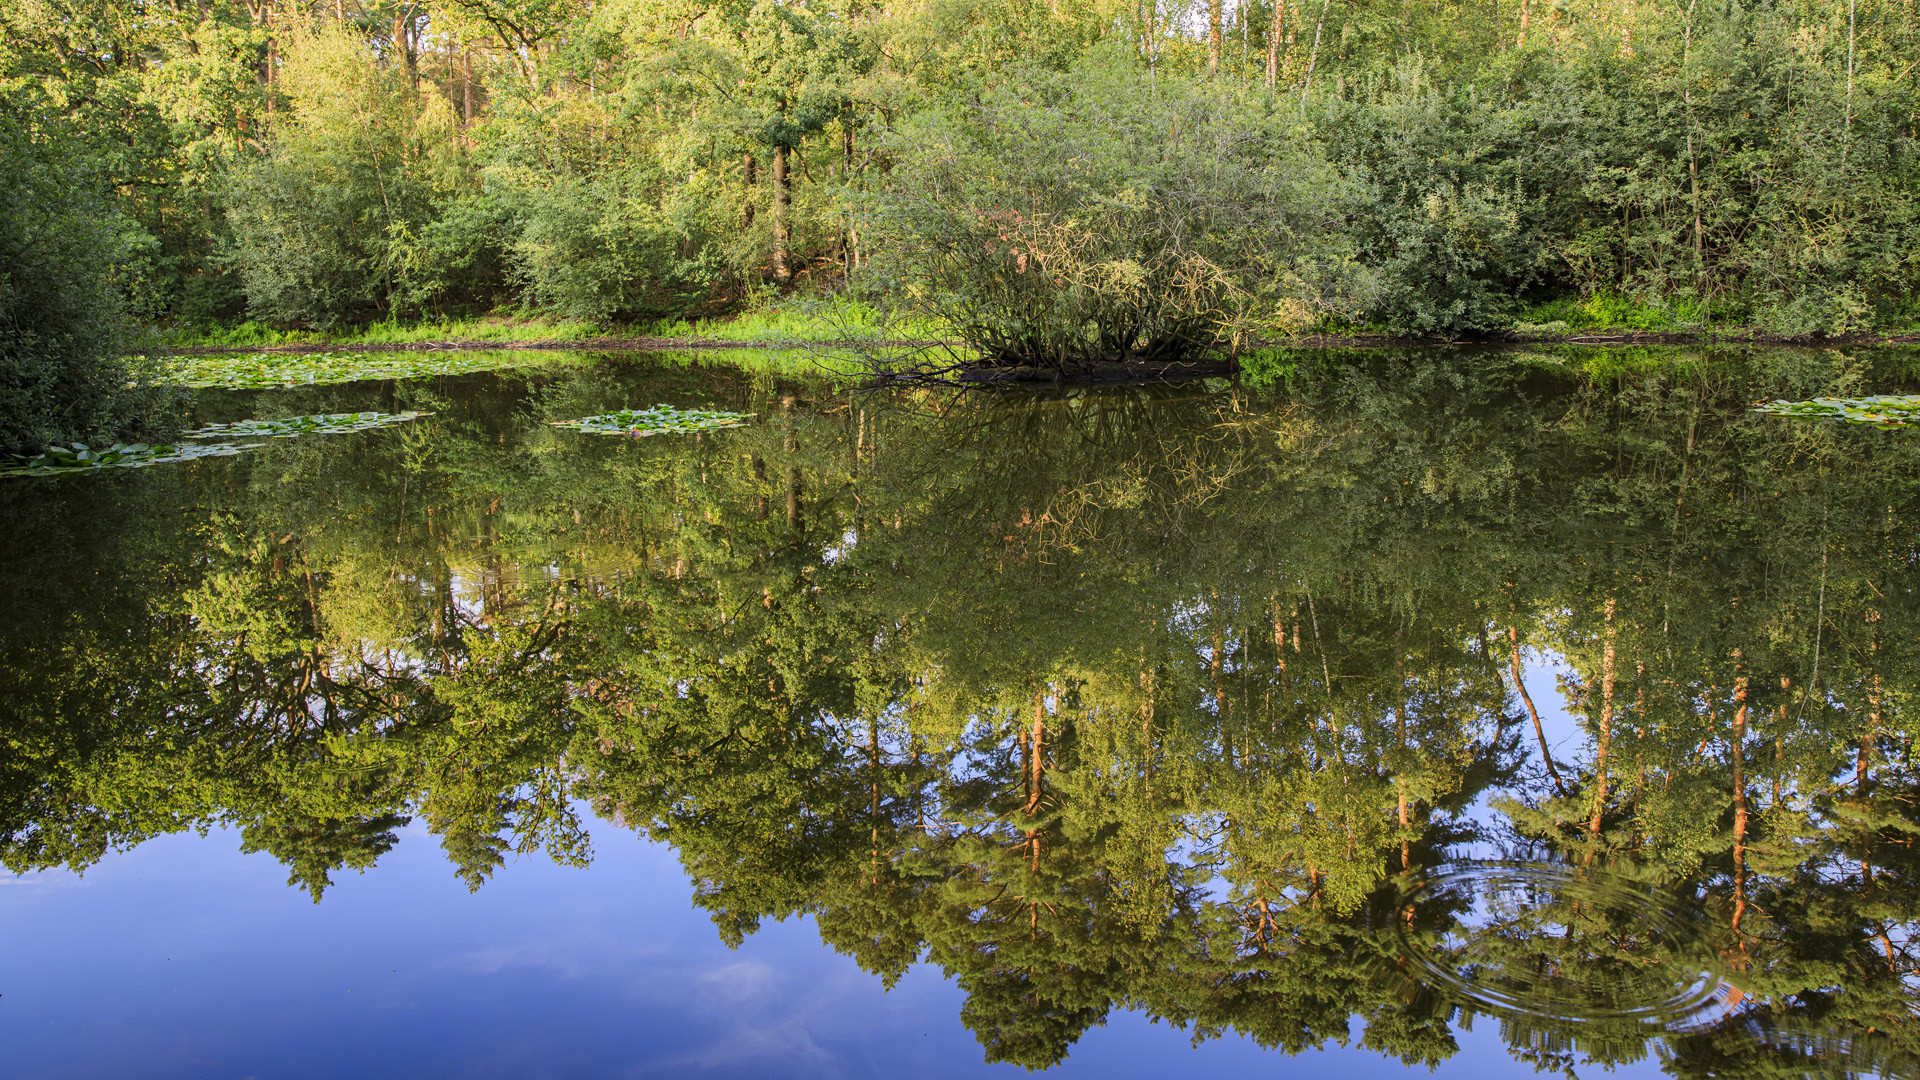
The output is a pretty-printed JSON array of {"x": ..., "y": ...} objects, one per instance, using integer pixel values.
[{"x": 1561, "y": 943}]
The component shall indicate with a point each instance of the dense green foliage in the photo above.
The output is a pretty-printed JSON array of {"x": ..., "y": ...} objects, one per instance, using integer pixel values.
[
  {"x": 1424, "y": 166},
  {"x": 1167, "y": 699},
  {"x": 64, "y": 324}
]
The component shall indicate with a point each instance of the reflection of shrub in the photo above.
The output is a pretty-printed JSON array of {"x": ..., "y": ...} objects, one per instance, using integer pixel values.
[
  {"x": 1060, "y": 220},
  {"x": 63, "y": 323}
]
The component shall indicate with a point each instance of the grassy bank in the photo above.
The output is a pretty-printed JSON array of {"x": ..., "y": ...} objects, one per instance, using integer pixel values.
[{"x": 789, "y": 322}]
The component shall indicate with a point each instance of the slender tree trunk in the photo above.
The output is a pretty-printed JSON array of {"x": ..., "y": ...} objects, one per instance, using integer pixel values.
[
  {"x": 1213, "y": 36},
  {"x": 1313, "y": 57},
  {"x": 750, "y": 175},
  {"x": 1273, "y": 43},
  {"x": 782, "y": 206},
  {"x": 1525, "y": 5},
  {"x": 466, "y": 86}
]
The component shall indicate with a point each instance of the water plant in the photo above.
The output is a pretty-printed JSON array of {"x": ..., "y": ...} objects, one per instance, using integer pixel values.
[
  {"x": 80, "y": 457},
  {"x": 262, "y": 371},
  {"x": 1879, "y": 410},
  {"x": 319, "y": 424},
  {"x": 658, "y": 420}
]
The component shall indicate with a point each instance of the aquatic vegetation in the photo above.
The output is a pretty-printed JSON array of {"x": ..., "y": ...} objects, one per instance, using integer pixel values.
[
  {"x": 261, "y": 371},
  {"x": 79, "y": 457},
  {"x": 1880, "y": 410},
  {"x": 659, "y": 420},
  {"x": 289, "y": 427}
]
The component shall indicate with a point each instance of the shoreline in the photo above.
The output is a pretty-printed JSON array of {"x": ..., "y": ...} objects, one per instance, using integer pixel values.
[{"x": 1328, "y": 341}]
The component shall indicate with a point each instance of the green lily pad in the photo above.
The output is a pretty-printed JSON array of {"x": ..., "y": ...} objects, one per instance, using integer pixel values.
[{"x": 659, "y": 420}]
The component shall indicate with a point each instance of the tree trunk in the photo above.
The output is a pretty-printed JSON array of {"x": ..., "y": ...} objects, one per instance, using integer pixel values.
[
  {"x": 1213, "y": 36},
  {"x": 1273, "y": 43},
  {"x": 782, "y": 205},
  {"x": 750, "y": 175}
]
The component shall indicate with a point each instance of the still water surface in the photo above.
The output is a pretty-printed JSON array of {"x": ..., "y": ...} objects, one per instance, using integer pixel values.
[{"x": 1048, "y": 729}]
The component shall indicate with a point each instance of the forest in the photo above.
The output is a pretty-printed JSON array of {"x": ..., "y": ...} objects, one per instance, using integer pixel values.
[
  {"x": 1162, "y": 699},
  {"x": 1187, "y": 175}
]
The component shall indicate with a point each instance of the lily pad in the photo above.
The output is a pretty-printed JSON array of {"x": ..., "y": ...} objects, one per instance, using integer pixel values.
[
  {"x": 1880, "y": 410},
  {"x": 80, "y": 457},
  {"x": 319, "y": 424},
  {"x": 659, "y": 420}
]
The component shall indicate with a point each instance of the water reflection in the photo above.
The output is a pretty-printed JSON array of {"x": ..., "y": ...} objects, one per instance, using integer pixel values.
[{"x": 1191, "y": 700}]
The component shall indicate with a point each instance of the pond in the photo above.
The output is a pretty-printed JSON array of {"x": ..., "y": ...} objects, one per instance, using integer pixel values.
[{"x": 1490, "y": 711}]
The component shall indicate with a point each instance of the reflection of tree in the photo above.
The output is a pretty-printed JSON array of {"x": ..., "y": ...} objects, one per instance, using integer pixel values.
[{"x": 1155, "y": 699}]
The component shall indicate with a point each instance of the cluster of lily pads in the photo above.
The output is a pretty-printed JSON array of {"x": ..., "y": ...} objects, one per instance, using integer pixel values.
[
  {"x": 320, "y": 424},
  {"x": 80, "y": 457},
  {"x": 659, "y": 420},
  {"x": 264, "y": 371},
  {"x": 1880, "y": 410}
]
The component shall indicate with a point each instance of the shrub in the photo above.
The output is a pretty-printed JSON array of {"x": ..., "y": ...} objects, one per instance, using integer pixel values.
[
  {"x": 64, "y": 326},
  {"x": 1061, "y": 220}
]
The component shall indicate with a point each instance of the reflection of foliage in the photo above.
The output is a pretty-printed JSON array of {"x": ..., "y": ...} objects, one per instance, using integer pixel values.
[{"x": 1152, "y": 699}]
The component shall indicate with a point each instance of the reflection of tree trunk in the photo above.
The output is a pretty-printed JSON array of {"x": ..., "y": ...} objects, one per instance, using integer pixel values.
[
  {"x": 782, "y": 206},
  {"x": 1400, "y": 724},
  {"x": 790, "y": 446},
  {"x": 1279, "y": 643},
  {"x": 1033, "y": 752},
  {"x": 1869, "y": 746},
  {"x": 1739, "y": 759},
  {"x": 1606, "y": 728},
  {"x": 1520, "y": 685},
  {"x": 873, "y": 806}
]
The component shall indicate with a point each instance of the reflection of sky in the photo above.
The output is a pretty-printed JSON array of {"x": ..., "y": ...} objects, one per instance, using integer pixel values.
[{"x": 185, "y": 958}]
